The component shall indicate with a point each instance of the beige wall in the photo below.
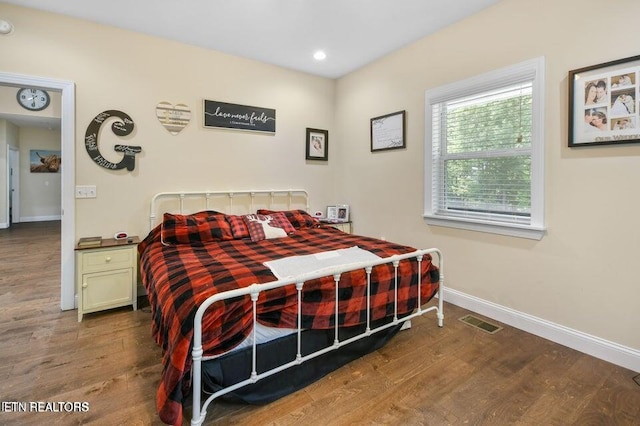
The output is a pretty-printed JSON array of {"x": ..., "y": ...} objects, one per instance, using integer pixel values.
[
  {"x": 39, "y": 192},
  {"x": 122, "y": 70},
  {"x": 583, "y": 273},
  {"x": 580, "y": 275},
  {"x": 10, "y": 106}
]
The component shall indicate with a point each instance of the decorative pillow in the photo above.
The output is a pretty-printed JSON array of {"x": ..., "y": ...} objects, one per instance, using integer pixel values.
[
  {"x": 199, "y": 227},
  {"x": 238, "y": 227},
  {"x": 298, "y": 218},
  {"x": 264, "y": 227}
]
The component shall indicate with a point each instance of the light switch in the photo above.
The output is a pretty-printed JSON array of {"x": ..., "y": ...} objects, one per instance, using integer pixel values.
[{"x": 86, "y": 191}]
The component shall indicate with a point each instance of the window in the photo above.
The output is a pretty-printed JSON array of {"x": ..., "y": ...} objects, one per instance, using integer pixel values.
[{"x": 484, "y": 152}]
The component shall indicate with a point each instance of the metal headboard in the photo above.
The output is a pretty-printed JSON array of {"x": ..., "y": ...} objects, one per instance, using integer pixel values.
[{"x": 209, "y": 196}]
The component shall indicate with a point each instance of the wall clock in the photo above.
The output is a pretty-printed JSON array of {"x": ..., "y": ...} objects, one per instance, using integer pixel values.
[{"x": 33, "y": 99}]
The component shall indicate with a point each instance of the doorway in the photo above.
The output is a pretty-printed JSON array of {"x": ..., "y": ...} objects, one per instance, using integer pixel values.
[
  {"x": 14, "y": 185},
  {"x": 67, "y": 129}
]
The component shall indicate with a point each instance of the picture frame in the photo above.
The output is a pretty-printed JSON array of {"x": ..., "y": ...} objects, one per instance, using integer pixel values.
[
  {"x": 343, "y": 212},
  {"x": 332, "y": 213},
  {"x": 338, "y": 213},
  {"x": 317, "y": 144},
  {"x": 225, "y": 115},
  {"x": 388, "y": 131},
  {"x": 603, "y": 103},
  {"x": 45, "y": 161}
]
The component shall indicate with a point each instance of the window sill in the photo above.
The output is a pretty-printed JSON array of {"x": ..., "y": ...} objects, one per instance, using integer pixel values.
[{"x": 513, "y": 230}]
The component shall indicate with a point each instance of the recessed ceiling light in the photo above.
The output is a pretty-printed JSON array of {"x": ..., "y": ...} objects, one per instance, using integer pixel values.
[
  {"x": 6, "y": 27},
  {"x": 319, "y": 55}
]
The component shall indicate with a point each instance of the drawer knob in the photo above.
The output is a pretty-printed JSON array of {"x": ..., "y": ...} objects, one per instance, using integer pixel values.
[
  {"x": 108, "y": 259},
  {"x": 84, "y": 285}
]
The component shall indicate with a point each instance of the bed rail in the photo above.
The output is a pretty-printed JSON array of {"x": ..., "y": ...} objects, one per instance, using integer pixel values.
[
  {"x": 226, "y": 198},
  {"x": 200, "y": 410}
]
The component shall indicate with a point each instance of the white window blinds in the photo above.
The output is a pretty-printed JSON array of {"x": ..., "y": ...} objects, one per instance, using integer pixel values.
[{"x": 482, "y": 154}]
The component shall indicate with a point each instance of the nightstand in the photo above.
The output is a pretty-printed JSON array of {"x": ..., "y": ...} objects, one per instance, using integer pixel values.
[
  {"x": 343, "y": 226},
  {"x": 107, "y": 275}
]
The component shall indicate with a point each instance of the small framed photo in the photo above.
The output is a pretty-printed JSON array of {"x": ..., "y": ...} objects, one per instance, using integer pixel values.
[
  {"x": 332, "y": 213},
  {"x": 343, "y": 213},
  {"x": 603, "y": 103},
  {"x": 317, "y": 144},
  {"x": 387, "y": 132},
  {"x": 338, "y": 213}
]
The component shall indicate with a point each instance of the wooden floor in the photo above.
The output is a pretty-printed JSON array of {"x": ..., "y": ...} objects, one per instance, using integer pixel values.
[{"x": 425, "y": 376}]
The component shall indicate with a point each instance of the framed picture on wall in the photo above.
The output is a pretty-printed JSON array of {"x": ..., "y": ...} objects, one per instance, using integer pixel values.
[
  {"x": 317, "y": 144},
  {"x": 603, "y": 103},
  {"x": 387, "y": 132},
  {"x": 44, "y": 161}
]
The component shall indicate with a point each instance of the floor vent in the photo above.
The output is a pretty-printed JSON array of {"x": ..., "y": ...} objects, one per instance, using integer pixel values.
[{"x": 480, "y": 324}]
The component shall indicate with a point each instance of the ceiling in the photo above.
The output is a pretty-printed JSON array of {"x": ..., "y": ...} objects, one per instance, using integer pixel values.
[
  {"x": 286, "y": 33},
  {"x": 21, "y": 120}
]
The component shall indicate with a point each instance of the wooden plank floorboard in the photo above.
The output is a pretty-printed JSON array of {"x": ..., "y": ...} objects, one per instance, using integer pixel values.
[{"x": 456, "y": 375}]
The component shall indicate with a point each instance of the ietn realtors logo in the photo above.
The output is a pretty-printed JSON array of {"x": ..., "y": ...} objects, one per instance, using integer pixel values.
[{"x": 44, "y": 407}]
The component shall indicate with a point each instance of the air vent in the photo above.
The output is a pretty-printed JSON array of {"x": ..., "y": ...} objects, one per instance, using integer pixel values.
[{"x": 478, "y": 323}]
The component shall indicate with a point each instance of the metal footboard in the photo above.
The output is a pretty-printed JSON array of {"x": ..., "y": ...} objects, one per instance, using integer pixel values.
[{"x": 200, "y": 410}]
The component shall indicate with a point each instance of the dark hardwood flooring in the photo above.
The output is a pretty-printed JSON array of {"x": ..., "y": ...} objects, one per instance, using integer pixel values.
[{"x": 425, "y": 376}]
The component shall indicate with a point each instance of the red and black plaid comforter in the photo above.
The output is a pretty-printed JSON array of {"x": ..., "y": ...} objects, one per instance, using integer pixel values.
[{"x": 179, "y": 278}]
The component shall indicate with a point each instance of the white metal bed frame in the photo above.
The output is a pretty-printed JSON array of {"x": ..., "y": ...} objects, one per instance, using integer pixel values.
[
  {"x": 199, "y": 409},
  {"x": 227, "y": 196}
]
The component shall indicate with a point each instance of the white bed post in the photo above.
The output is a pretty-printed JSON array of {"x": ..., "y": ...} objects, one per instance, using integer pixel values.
[
  {"x": 196, "y": 416},
  {"x": 440, "y": 313}
]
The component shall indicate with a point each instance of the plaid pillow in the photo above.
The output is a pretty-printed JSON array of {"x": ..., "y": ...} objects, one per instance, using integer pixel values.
[
  {"x": 298, "y": 218},
  {"x": 238, "y": 227},
  {"x": 195, "y": 228},
  {"x": 264, "y": 227}
]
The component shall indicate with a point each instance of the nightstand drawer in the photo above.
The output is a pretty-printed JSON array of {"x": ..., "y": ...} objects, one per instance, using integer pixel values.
[{"x": 100, "y": 260}]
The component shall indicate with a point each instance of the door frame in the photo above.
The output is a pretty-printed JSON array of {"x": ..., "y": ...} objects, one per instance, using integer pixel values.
[
  {"x": 13, "y": 187},
  {"x": 67, "y": 130}
]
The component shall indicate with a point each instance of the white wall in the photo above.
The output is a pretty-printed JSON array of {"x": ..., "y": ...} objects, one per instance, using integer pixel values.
[{"x": 583, "y": 273}]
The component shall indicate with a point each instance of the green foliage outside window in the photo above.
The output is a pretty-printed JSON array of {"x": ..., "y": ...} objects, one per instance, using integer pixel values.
[{"x": 487, "y": 155}]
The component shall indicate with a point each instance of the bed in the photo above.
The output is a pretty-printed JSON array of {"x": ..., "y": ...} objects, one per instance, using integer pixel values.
[{"x": 243, "y": 295}]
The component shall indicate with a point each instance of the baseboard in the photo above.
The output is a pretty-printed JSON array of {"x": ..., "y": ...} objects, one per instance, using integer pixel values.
[
  {"x": 4, "y": 225},
  {"x": 586, "y": 343},
  {"x": 40, "y": 218}
]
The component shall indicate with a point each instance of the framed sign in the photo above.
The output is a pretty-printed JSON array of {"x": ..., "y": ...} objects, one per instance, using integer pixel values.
[
  {"x": 241, "y": 117},
  {"x": 317, "y": 144},
  {"x": 603, "y": 103},
  {"x": 387, "y": 132}
]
